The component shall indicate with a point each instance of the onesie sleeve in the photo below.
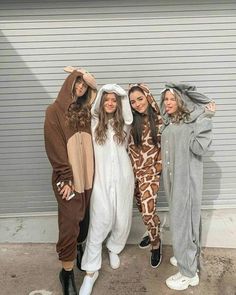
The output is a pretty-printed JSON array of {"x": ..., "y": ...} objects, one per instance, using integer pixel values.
[
  {"x": 201, "y": 137},
  {"x": 56, "y": 147},
  {"x": 95, "y": 107}
]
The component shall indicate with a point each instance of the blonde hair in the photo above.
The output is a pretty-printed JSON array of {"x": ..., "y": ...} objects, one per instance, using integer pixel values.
[{"x": 182, "y": 112}]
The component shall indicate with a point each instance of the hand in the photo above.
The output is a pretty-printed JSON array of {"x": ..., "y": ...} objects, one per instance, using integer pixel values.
[
  {"x": 210, "y": 109},
  {"x": 66, "y": 191}
]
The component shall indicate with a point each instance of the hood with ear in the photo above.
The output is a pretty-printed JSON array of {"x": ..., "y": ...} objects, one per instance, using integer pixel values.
[
  {"x": 65, "y": 96},
  {"x": 194, "y": 101},
  {"x": 114, "y": 88}
]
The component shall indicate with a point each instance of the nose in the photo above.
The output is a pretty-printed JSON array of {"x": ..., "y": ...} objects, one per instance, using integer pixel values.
[{"x": 168, "y": 102}]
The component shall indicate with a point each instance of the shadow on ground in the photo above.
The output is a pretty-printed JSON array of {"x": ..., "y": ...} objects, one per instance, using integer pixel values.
[{"x": 33, "y": 269}]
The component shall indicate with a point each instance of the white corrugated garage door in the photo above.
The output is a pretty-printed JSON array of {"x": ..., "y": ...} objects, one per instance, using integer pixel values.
[{"x": 120, "y": 42}]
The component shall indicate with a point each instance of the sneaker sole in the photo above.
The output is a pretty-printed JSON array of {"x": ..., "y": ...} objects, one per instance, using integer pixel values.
[{"x": 184, "y": 287}]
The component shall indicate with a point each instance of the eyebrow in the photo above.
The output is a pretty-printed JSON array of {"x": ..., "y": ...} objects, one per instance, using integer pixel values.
[{"x": 141, "y": 96}]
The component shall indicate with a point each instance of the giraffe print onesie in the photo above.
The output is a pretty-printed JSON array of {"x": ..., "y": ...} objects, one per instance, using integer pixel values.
[{"x": 146, "y": 162}]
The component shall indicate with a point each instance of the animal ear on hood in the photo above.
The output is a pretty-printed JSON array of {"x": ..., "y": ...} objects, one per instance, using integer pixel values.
[
  {"x": 69, "y": 69},
  {"x": 87, "y": 77},
  {"x": 126, "y": 108},
  {"x": 188, "y": 93},
  {"x": 194, "y": 101}
]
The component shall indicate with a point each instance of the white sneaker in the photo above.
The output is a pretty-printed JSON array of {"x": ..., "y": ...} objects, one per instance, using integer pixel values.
[
  {"x": 88, "y": 282},
  {"x": 173, "y": 261},
  {"x": 180, "y": 282},
  {"x": 114, "y": 260}
]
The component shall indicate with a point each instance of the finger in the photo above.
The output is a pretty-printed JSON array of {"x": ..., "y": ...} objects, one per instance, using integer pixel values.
[
  {"x": 64, "y": 192},
  {"x": 64, "y": 196},
  {"x": 68, "y": 195}
]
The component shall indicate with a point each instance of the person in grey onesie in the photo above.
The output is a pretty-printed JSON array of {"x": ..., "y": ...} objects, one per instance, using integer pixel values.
[{"x": 186, "y": 136}]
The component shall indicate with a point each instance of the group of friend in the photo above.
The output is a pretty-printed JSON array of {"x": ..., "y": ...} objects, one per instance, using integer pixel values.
[{"x": 106, "y": 147}]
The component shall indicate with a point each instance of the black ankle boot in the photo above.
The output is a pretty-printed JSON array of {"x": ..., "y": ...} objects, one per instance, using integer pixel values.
[
  {"x": 80, "y": 252},
  {"x": 156, "y": 256},
  {"x": 68, "y": 282}
]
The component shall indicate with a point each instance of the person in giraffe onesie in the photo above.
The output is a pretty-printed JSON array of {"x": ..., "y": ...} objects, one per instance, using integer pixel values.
[{"x": 145, "y": 153}]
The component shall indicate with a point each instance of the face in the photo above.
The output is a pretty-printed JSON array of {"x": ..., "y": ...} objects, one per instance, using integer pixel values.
[
  {"x": 80, "y": 88},
  {"x": 170, "y": 103},
  {"x": 138, "y": 101},
  {"x": 110, "y": 103}
]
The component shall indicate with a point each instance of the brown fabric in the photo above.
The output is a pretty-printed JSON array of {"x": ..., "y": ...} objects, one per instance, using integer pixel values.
[
  {"x": 70, "y": 215},
  {"x": 147, "y": 166},
  {"x": 70, "y": 153},
  {"x": 146, "y": 195},
  {"x": 147, "y": 159},
  {"x": 57, "y": 134},
  {"x": 81, "y": 144}
]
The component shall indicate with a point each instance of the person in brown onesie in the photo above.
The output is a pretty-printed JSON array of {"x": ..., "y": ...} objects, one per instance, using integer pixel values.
[
  {"x": 145, "y": 154},
  {"x": 68, "y": 144}
]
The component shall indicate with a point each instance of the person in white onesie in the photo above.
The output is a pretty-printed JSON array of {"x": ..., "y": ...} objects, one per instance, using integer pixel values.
[{"x": 112, "y": 195}]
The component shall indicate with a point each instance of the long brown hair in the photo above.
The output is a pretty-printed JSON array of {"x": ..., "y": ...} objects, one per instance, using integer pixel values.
[
  {"x": 117, "y": 123},
  {"x": 78, "y": 114},
  {"x": 138, "y": 122}
]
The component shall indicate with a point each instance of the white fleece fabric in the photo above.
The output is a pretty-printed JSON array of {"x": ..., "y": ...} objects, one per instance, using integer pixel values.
[{"x": 112, "y": 195}]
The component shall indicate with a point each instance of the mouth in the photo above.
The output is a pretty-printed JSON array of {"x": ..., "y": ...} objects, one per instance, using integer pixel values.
[
  {"x": 110, "y": 109},
  {"x": 140, "y": 110}
]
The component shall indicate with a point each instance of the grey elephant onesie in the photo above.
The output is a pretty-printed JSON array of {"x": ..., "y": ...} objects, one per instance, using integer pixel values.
[{"x": 183, "y": 145}]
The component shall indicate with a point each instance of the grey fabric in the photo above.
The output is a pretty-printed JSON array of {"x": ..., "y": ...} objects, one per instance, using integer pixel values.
[
  {"x": 194, "y": 101},
  {"x": 182, "y": 148}
]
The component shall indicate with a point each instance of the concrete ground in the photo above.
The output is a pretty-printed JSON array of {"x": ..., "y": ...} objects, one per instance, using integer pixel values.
[{"x": 32, "y": 269}]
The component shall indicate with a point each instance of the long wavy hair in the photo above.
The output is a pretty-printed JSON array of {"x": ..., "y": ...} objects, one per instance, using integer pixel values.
[
  {"x": 182, "y": 112},
  {"x": 117, "y": 122},
  {"x": 78, "y": 114},
  {"x": 138, "y": 122}
]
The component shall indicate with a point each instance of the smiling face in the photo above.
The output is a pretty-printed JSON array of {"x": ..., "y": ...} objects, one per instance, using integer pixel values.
[
  {"x": 110, "y": 103},
  {"x": 170, "y": 103},
  {"x": 138, "y": 101}
]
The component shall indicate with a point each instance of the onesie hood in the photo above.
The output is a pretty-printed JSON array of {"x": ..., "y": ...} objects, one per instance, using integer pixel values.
[
  {"x": 194, "y": 101},
  {"x": 147, "y": 93},
  {"x": 115, "y": 88},
  {"x": 65, "y": 96}
]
